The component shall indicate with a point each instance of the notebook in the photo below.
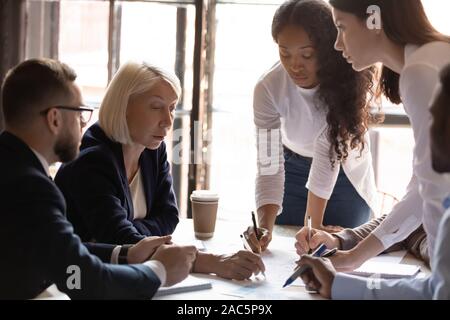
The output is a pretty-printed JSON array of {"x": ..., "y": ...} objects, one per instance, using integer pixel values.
[
  {"x": 386, "y": 270},
  {"x": 187, "y": 285}
]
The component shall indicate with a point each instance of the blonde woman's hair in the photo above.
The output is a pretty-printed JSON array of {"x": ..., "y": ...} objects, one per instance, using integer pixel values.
[{"x": 131, "y": 78}]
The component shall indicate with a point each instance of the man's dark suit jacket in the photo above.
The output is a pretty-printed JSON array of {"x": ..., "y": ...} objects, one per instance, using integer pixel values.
[
  {"x": 38, "y": 243},
  {"x": 99, "y": 202}
]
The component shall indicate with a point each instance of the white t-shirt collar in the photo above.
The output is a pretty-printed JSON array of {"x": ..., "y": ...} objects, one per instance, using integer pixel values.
[{"x": 308, "y": 92}]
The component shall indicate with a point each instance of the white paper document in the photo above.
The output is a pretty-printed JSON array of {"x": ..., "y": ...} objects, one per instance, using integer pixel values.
[
  {"x": 279, "y": 260},
  {"x": 387, "y": 266},
  {"x": 189, "y": 284}
]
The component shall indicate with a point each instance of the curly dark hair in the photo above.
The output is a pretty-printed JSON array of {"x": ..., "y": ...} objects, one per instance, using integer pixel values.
[{"x": 342, "y": 90}]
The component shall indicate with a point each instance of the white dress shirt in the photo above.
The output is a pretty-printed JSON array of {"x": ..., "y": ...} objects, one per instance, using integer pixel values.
[
  {"x": 435, "y": 286},
  {"x": 296, "y": 118},
  {"x": 427, "y": 189},
  {"x": 138, "y": 196}
]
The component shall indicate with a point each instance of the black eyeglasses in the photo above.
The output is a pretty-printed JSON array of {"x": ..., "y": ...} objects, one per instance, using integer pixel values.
[{"x": 85, "y": 112}]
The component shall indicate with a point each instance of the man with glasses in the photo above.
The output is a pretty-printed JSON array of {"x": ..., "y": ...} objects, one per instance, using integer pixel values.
[
  {"x": 66, "y": 150},
  {"x": 84, "y": 111},
  {"x": 44, "y": 116}
]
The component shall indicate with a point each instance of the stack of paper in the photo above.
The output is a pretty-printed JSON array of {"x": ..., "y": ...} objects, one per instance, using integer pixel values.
[
  {"x": 386, "y": 270},
  {"x": 189, "y": 284}
]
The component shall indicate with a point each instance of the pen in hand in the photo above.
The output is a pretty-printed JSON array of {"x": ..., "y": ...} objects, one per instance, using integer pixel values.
[
  {"x": 329, "y": 253},
  {"x": 247, "y": 247},
  {"x": 257, "y": 233},
  {"x": 299, "y": 270},
  {"x": 309, "y": 233},
  {"x": 255, "y": 226}
]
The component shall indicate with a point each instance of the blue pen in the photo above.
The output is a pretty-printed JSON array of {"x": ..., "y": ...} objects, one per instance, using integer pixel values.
[{"x": 317, "y": 253}]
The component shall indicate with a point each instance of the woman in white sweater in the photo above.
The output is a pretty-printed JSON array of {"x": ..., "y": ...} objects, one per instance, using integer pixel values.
[
  {"x": 312, "y": 117},
  {"x": 412, "y": 53}
]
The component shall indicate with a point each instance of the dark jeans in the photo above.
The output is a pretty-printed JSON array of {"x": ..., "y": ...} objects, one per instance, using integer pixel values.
[{"x": 345, "y": 208}]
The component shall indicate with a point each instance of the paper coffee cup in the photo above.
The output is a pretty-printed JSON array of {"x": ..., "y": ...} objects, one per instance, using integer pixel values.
[{"x": 204, "y": 212}]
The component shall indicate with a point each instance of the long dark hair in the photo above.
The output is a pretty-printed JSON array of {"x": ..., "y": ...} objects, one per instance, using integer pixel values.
[
  {"x": 342, "y": 90},
  {"x": 445, "y": 80},
  {"x": 404, "y": 22}
]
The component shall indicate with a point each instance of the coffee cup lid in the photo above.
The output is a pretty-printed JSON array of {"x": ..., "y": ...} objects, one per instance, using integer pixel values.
[{"x": 204, "y": 195}]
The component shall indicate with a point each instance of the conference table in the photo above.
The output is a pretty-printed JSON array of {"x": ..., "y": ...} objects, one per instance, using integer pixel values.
[{"x": 279, "y": 261}]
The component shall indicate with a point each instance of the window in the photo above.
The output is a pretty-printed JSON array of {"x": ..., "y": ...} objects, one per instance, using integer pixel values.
[
  {"x": 85, "y": 35},
  {"x": 84, "y": 50},
  {"x": 95, "y": 37},
  {"x": 244, "y": 51}
]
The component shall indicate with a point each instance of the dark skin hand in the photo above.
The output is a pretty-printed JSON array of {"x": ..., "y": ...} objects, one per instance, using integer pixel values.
[{"x": 320, "y": 276}]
